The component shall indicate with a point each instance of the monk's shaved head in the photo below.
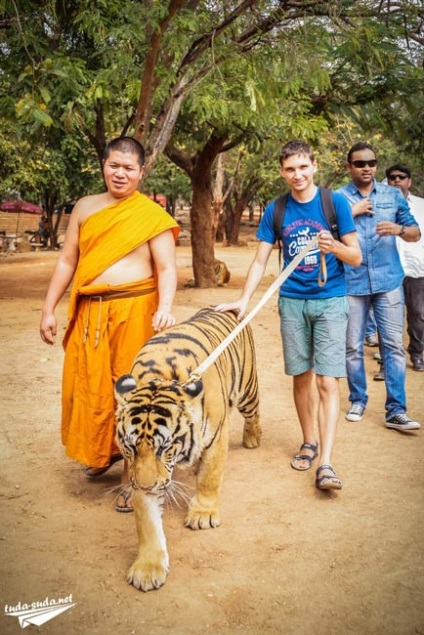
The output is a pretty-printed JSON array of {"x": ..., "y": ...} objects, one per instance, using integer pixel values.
[{"x": 126, "y": 145}]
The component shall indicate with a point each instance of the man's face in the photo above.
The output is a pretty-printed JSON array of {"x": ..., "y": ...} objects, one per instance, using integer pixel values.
[
  {"x": 362, "y": 167},
  {"x": 298, "y": 172},
  {"x": 122, "y": 173},
  {"x": 400, "y": 180}
]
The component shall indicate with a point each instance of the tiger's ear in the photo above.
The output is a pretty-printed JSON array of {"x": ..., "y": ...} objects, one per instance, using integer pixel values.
[
  {"x": 193, "y": 388},
  {"x": 124, "y": 385}
]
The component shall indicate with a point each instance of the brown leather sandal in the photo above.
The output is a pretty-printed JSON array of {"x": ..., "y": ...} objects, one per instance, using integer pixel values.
[
  {"x": 305, "y": 457},
  {"x": 125, "y": 495},
  {"x": 327, "y": 481},
  {"x": 95, "y": 472}
]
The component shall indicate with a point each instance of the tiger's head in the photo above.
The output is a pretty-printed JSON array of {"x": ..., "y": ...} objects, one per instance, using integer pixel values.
[{"x": 156, "y": 425}]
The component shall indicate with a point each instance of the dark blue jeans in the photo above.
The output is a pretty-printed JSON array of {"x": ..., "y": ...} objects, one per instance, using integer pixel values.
[{"x": 389, "y": 315}]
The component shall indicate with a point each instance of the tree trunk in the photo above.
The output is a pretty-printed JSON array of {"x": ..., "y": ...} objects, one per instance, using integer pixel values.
[
  {"x": 220, "y": 230},
  {"x": 218, "y": 196},
  {"x": 56, "y": 226},
  {"x": 201, "y": 216},
  {"x": 98, "y": 139},
  {"x": 238, "y": 210},
  {"x": 49, "y": 202},
  {"x": 243, "y": 199},
  {"x": 202, "y": 242},
  {"x": 228, "y": 218},
  {"x": 199, "y": 168},
  {"x": 170, "y": 205}
]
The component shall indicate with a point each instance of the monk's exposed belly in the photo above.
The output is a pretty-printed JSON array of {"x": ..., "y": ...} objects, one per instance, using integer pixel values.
[{"x": 134, "y": 266}]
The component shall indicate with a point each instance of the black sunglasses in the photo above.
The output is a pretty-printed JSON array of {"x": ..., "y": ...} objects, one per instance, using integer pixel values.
[
  {"x": 393, "y": 177},
  {"x": 361, "y": 164}
]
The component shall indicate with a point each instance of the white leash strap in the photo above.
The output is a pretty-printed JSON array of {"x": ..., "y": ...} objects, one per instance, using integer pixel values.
[{"x": 274, "y": 286}]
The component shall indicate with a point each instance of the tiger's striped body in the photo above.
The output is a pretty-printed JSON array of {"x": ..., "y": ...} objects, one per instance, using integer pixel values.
[{"x": 166, "y": 417}]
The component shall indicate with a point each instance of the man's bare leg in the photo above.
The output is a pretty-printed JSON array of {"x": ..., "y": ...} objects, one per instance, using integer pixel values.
[
  {"x": 304, "y": 399},
  {"x": 328, "y": 414}
]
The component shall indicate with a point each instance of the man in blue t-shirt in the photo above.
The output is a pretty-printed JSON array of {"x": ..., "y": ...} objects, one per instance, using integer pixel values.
[{"x": 313, "y": 317}]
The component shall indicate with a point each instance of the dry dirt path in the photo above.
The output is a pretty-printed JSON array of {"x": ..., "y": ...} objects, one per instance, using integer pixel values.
[{"x": 287, "y": 559}]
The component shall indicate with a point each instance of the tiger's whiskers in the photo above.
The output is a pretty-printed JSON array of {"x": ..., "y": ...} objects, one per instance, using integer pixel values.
[
  {"x": 121, "y": 489},
  {"x": 115, "y": 488},
  {"x": 176, "y": 494}
]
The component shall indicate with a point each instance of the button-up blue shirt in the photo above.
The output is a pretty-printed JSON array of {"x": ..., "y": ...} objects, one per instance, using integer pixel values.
[{"x": 381, "y": 269}]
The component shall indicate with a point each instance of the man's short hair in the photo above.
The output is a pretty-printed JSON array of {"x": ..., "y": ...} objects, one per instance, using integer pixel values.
[
  {"x": 125, "y": 144},
  {"x": 357, "y": 147},
  {"x": 296, "y": 147},
  {"x": 400, "y": 168}
]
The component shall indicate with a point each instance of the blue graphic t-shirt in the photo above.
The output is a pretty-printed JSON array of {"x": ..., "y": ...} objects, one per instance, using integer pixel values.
[{"x": 302, "y": 222}]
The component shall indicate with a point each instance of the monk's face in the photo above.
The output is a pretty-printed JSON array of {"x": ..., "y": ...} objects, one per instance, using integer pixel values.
[{"x": 122, "y": 173}]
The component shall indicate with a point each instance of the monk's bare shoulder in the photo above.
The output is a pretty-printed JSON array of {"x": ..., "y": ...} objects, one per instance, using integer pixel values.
[{"x": 88, "y": 205}]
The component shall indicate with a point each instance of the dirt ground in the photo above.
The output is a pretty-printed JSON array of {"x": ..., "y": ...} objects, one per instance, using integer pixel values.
[{"x": 286, "y": 559}]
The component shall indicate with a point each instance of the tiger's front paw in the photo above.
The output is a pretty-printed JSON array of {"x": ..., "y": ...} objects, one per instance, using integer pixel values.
[
  {"x": 202, "y": 519},
  {"x": 147, "y": 575}
]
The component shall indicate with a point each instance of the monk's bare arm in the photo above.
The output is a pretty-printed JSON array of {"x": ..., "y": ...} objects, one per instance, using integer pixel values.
[
  {"x": 61, "y": 278},
  {"x": 162, "y": 248}
]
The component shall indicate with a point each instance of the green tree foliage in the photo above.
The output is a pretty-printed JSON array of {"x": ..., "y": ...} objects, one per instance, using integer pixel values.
[
  {"x": 167, "y": 180},
  {"x": 108, "y": 67},
  {"x": 49, "y": 171},
  {"x": 197, "y": 75}
]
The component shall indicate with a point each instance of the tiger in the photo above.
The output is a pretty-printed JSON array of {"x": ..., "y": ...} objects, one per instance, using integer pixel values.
[
  {"x": 221, "y": 272},
  {"x": 222, "y": 275},
  {"x": 167, "y": 415}
]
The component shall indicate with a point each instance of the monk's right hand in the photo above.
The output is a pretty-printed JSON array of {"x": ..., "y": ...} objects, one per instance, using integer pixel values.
[{"x": 48, "y": 329}]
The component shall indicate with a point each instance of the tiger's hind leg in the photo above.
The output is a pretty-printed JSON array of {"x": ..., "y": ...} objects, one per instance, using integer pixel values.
[
  {"x": 248, "y": 394},
  {"x": 252, "y": 432},
  {"x": 249, "y": 409}
]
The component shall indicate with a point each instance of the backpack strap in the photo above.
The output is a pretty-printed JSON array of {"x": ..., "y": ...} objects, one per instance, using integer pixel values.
[
  {"x": 329, "y": 211},
  {"x": 330, "y": 214},
  {"x": 279, "y": 210}
]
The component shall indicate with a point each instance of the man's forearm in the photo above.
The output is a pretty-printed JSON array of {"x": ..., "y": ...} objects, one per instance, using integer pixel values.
[
  {"x": 59, "y": 282},
  {"x": 167, "y": 287},
  {"x": 254, "y": 276},
  {"x": 410, "y": 234}
]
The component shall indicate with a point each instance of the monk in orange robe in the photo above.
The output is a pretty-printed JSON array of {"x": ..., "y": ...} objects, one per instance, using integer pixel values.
[{"x": 120, "y": 251}]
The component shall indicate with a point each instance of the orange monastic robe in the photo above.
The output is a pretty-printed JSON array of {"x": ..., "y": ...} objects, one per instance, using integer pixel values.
[{"x": 103, "y": 336}]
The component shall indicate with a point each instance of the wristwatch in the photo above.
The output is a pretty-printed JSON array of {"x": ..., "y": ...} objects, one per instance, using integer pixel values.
[{"x": 402, "y": 230}]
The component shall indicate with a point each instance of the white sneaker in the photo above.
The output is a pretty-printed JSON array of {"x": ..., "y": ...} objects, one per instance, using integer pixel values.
[
  {"x": 402, "y": 422},
  {"x": 355, "y": 412},
  {"x": 371, "y": 340}
]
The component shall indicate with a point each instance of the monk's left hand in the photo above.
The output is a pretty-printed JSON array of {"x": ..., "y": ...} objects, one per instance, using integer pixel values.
[{"x": 162, "y": 320}]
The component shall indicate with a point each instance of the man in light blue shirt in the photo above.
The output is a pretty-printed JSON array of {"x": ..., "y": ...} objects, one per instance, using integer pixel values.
[{"x": 381, "y": 213}]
